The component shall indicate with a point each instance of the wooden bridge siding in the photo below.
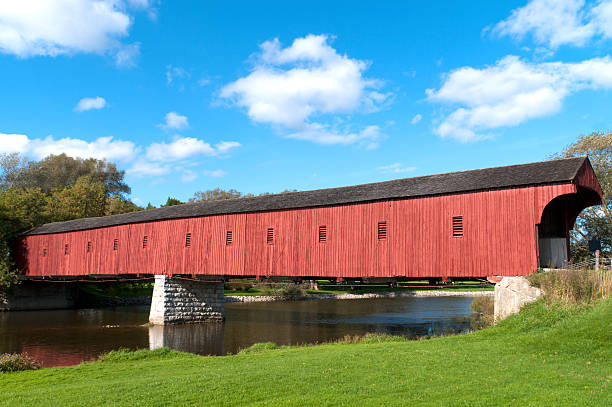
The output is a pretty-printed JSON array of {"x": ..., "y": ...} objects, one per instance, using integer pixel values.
[
  {"x": 586, "y": 178},
  {"x": 499, "y": 238}
]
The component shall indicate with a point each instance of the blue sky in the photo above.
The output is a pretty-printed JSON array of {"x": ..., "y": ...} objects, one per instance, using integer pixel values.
[{"x": 265, "y": 96}]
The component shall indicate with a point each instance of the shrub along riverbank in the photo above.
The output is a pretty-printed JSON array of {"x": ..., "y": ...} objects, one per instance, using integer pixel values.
[{"x": 549, "y": 354}]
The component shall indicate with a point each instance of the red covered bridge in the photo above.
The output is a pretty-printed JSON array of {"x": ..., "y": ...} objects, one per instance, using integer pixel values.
[{"x": 497, "y": 221}]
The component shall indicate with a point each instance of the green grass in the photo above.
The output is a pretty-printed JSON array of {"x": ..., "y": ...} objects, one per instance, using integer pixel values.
[
  {"x": 118, "y": 289},
  {"x": 547, "y": 355},
  {"x": 409, "y": 286}
]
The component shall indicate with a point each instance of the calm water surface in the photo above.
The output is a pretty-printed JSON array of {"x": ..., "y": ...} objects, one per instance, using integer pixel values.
[{"x": 68, "y": 337}]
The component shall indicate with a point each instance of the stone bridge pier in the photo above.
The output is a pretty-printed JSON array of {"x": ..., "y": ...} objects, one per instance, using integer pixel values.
[{"x": 179, "y": 300}]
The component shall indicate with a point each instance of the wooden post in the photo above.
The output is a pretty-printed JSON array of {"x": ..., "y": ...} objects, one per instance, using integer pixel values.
[{"x": 596, "y": 260}]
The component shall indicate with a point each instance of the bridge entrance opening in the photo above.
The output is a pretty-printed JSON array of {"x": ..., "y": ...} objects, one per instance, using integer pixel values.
[{"x": 557, "y": 220}]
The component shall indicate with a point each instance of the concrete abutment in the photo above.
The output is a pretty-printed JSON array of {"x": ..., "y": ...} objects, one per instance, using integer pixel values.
[
  {"x": 177, "y": 301},
  {"x": 511, "y": 293}
]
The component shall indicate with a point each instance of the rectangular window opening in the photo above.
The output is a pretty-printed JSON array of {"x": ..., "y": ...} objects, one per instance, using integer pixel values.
[
  {"x": 457, "y": 226},
  {"x": 116, "y": 244},
  {"x": 322, "y": 234},
  {"x": 66, "y": 251},
  {"x": 382, "y": 230},
  {"x": 228, "y": 238},
  {"x": 145, "y": 242},
  {"x": 270, "y": 236},
  {"x": 89, "y": 247},
  {"x": 188, "y": 240}
]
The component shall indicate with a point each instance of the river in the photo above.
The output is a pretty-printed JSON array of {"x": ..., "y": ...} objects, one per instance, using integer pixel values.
[{"x": 68, "y": 337}]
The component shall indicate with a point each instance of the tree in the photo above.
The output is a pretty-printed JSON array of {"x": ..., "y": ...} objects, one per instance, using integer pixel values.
[
  {"x": 11, "y": 168},
  {"x": 116, "y": 205},
  {"x": 594, "y": 222},
  {"x": 216, "y": 194},
  {"x": 83, "y": 199},
  {"x": 57, "y": 188},
  {"x": 172, "y": 202},
  {"x": 20, "y": 210},
  {"x": 59, "y": 171},
  {"x": 219, "y": 194}
]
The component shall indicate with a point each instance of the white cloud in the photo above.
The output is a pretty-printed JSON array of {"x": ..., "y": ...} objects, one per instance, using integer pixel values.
[
  {"x": 101, "y": 148},
  {"x": 174, "y": 73},
  {"x": 417, "y": 118},
  {"x": 142, "y": 168},
  {"x": 289, "y": 86},
  {"x": 13, "y": 143},
  {"x": 396, "y": 168},
  {"x": 188, "y": 176},
  {"x": 137, "y": 201},
  {"x": 555, "y": 23},
  {"x": 185, "y": 147},
  {"x": 55, "y": 27},
  {"x": 225, "y": 146},
  {"x": 215, "y": 173},
  {"x": 511, "y": 92},
  {"x": 90, "y": 103},
  {"x": 126, "y": 55},
  {"x": 175, "y": 121},
  {"x": 156, "y": 161},
  {"x": 180, "y": 148},
  {"x": 323, "y": 134}
]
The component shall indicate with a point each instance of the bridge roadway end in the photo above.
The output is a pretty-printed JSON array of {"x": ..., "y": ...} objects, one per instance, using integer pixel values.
[{"x": 182, "y": 300}]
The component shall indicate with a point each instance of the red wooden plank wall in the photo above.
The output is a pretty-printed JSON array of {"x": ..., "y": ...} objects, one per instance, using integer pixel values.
[
  {"x": 499, "y": 239},
  {"x": 586, "y": 178}
]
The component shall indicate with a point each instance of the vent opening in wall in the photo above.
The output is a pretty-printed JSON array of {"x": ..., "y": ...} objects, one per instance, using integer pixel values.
[
  {"x": 270, "y": 236},
  {"x": 322, "y": 234},
  {"x": 228, "y": 238},
  {"x": 188, "y": 240},
  {"x": 44, "y": 252},
  {"x": 66, "y": 248},
  {"x": 457, "y": 226},
  {"x": 116, "y": 244},
  {"x": 89, "y": 246},
  {"x": 145, "y": 242},
  {"x": 382, "y": 230}
]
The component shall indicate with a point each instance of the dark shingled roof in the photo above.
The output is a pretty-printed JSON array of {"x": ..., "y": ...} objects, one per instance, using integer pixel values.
[{"x": 545, "y": 172}]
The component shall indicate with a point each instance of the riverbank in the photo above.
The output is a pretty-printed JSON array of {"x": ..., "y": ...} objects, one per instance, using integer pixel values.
[
  {"x": 545, "y": 355},
  {"x": 146, "y": 300},
  {"x": 348, "y": 296}
]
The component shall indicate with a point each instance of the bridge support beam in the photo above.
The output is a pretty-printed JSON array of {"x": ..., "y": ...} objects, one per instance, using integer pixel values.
[{"x": 177, "y": 301}]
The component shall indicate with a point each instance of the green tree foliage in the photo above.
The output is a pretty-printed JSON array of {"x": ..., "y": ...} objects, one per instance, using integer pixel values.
[
  {"x": 55, "y": 189},
  {"x": 116, "y": 206},
  {"x": 60, "y": 171},
  {"x": 82, "y": 199},
  {"x": 20, "y": 210},
  {"x": 216, "y": 194},
  {"x": 171, "y": 202},
  {"x": 594, "y": 222}
]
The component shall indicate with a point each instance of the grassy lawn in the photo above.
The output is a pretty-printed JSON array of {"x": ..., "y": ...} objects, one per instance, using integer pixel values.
[
  {"x": 405, "y": 286},
  {"x": 544, "y": 356}
]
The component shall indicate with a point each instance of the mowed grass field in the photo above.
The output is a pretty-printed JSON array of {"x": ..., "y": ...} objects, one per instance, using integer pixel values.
[{"x": 548, "y": 355}]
